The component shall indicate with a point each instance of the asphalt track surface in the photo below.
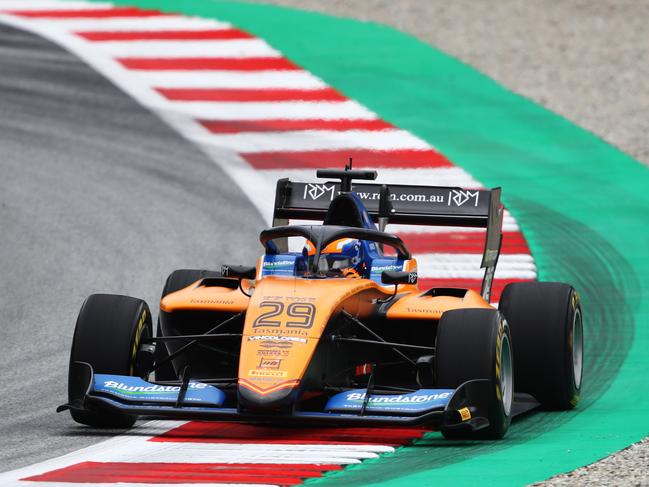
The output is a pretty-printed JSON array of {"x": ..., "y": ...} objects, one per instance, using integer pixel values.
[{"x": 96, "y": 195}]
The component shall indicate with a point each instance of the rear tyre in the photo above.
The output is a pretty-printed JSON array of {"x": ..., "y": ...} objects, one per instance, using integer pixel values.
[
  {"x": 107, "y": 335},
  {"x": 476, "y": 344},
  {"x": 546, "y": 325},
  {"x": 177, "y": 280}
]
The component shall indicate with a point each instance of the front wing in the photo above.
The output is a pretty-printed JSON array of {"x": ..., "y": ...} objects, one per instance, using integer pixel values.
[{"x": 464, "y": 408}]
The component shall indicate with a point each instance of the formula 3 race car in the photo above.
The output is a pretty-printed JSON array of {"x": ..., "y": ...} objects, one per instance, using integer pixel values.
[{"x": 335, "y": 331}]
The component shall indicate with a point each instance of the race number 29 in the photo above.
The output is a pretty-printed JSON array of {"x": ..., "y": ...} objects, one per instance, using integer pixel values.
[{"x": 298, "y": 315}]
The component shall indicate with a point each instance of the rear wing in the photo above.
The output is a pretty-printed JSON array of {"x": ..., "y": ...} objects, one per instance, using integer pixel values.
[{"x": 406, "y": 204}]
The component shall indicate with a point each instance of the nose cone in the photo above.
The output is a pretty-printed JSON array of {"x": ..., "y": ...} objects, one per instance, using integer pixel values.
[{"x": 278, "y": 399}]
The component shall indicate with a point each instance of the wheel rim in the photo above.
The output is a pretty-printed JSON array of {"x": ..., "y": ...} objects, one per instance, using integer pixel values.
[
  {"x": 506, "y": 374},
  {"x": 577, "y": 348}
]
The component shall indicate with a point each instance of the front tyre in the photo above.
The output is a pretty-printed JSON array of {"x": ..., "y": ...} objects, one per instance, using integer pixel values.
[
  {"x": 476, "y": 344},
  {"x": 547, "y": 327},
  {"x": 107, "y": 336}
]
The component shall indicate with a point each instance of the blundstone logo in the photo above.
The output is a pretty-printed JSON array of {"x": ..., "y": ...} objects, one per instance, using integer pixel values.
[
  {"x": 414, "y": 399},
  {"x": 152, "y": 389}
]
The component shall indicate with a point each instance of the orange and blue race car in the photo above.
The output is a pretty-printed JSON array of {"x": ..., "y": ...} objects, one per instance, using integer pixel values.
[{"x": 330, "y": 327}]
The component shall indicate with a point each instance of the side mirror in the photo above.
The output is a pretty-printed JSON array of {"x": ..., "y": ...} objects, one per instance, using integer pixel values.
[
  {"x": 239, "y": 271},
  {"x": 398, "y": 277}
]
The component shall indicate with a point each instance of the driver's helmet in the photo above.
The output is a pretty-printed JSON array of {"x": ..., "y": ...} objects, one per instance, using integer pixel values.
[{"x": 340, "y": 258}]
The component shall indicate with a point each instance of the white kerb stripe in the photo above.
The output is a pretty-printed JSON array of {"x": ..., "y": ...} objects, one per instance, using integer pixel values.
[
  {"x": 439, "y": 176},
  {"x": 513, "y": 266},
  {"x": 229, "y": 79},
  {"x": 118, "y": 24},
  {"x": 293, "y": 110},
  {"x": 52, "y": 5},
  {"x": 232, "y": 48},
  {"x": 317, "y": 140}
]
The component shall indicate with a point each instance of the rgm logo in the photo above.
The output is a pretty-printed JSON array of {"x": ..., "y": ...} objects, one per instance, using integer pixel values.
[
  {"x": 459, "y": 197},
  {"x": 358, "y": 396},
  {"x": 316, "y": 191}
]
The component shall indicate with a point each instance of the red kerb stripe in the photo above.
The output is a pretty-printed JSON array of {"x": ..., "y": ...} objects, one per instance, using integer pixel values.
[
  {"x": 88, "y": 13},
  {"x": 236, "y": 126},
  {"x": 407, "y": 158},
  {"x": 165, "y": 35},
  {"x": 461, "y": 242},
  {"x": 210, "y": 64},
  {"x": 180, "y": 473},
  {"x": 222, "y": 432},
  {"x": 252, "y": 95}
]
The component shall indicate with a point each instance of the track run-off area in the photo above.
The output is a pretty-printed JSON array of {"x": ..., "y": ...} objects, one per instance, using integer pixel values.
[{"x": 269, "y": 93}]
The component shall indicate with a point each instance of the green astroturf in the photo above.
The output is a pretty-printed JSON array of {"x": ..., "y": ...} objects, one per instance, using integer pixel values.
[{"x": 582, "y": 204}]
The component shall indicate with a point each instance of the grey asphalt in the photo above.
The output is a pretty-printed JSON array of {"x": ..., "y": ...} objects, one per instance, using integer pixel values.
[{"x": 96, "y": 195}]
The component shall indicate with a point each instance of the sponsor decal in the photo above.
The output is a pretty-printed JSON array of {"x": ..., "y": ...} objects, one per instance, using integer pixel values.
[
  {"x": 267, "y": 373},
  {"x": 211, "y": 301},
  {"x": 277, "y": 338},
  {"x": 459, "y": 197},
  {"x": 424, "y": 310},
  {"x": 128, "y": 388},
  {"x": 282, "y": 345},
  {"x": 412, "y": 403},
  {"x": 278, "y": 263},
  {"x": 152, "y": 389},
  {"x": 387, "y": 268},
  {"x": 281, "y": 331},
  {"x": 316, "y": 191},
  {"x": 272, "y": 353},
  {"x": 270, "y": 363},
  {"x": 465, "y": 414},
  {"x": 403, "y": 399},
  {"x": 404, "y": 197}
]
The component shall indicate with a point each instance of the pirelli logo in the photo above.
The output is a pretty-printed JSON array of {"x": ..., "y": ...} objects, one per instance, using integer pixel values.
[{"x": 267, "y": 373}]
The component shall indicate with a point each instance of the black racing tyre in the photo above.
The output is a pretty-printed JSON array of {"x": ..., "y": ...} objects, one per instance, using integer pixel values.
[
  {"x": 547, "y": 329},
  {"x": 476, "y": 344},
  {"x": 107, "y": 335},
  {"x": 177, "y": 280}
]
